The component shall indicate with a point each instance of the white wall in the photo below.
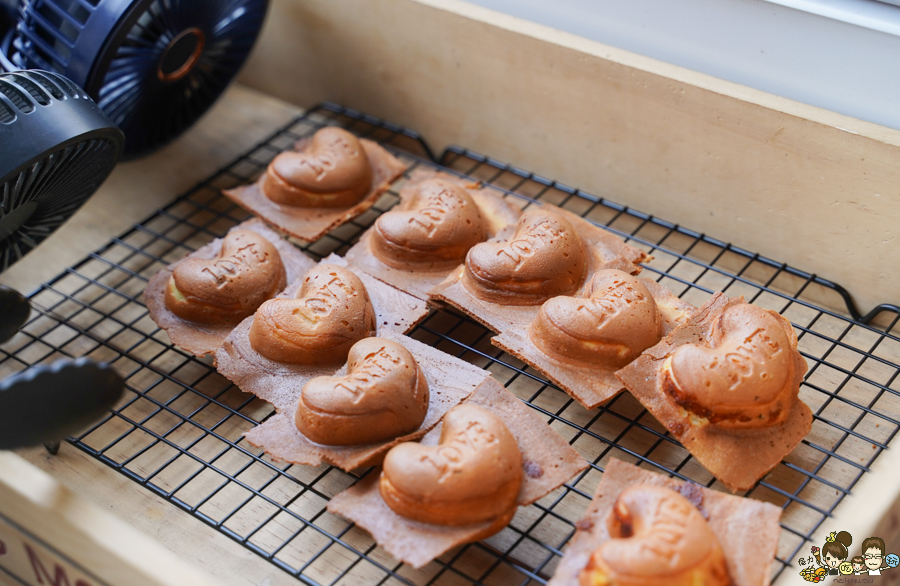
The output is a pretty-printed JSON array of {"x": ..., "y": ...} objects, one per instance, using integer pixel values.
[{"x": 843, "y": 55}]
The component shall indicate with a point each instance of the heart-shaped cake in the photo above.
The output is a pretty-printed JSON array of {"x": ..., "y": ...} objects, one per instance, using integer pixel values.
[
  {"x": 230, "y": 287},
  {"x": 433, "y": 233},
  {"x": 658, "y": 538},
  {"x": 472, "y": 476},
  {"x": 609, "y": 327},
  {"x": 384, "y": 395},
  {"x": 743, "y": 377},
  {"x": 332, "y": 171},
  {"x": 332, "y": 312},
  {"x": 544, "y": 258}
]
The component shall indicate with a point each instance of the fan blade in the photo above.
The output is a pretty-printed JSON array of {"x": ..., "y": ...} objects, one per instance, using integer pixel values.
[{"x": 153, "y": 110}]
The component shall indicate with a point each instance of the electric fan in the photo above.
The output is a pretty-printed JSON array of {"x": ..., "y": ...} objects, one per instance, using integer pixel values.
[
  {"x": 153, "y": 66},
  {"x": 56, "y": 148}
]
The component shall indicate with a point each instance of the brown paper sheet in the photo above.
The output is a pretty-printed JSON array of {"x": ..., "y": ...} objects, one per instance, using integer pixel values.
[
  {"x": 736, "y": 457},
  {"x": 548, "y": 460},
  {"x": 310, "y": 224},
  {"x": 450, "y": 381}
]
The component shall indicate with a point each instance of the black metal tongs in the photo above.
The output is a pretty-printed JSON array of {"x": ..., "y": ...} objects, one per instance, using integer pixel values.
[{"x": 46, "y": 403}]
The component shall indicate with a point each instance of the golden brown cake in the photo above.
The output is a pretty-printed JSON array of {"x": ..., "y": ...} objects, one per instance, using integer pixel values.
[
  {"x": 609, "y": 326},
  {"x": 726, "y": 384},
  {"x": 690, "y": 531},
  {"x": 332, "y": 171},
  {"x": 324, "y": 181},
  {"x": 228, "y": 288},
  {"x": 545, "y": 257},
  {"x": 384, "y": 395},
  {"x": 579, "y": 350},
  {"x": 332, "y": 312},
  {"x": 742, "y": 377},
  {"x": 433, "y": 233},
  {"x": 472, "y": 476},
  {"x": 657, "y": 538}
]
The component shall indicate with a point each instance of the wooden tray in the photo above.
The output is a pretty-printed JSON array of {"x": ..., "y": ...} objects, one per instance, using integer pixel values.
[{"x": 559, "y": 106}]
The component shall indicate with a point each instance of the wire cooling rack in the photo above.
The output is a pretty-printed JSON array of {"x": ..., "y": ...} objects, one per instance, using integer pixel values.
[{"x": 178, "y": 430}]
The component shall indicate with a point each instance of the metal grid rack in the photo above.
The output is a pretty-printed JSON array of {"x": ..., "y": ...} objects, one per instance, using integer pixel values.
[{"x": 178, "y": 430}]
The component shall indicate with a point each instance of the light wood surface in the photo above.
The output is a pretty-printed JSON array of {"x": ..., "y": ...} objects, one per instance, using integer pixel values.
[
  {"x": 86, "y": 544},
  {"x": 795, "y": 183},
  {"x": 186, "y": 537}
]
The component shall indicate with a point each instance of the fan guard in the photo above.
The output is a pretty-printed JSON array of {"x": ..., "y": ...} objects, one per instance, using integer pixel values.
[
  {"x": 154, "y": 66},
  {"x": 56, "y": 148}
]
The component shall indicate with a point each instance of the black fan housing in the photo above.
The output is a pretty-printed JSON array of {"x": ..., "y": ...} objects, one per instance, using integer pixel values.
[
  {"x": 48, "y": 402},
  {"x": 154, "y": 66},
  {"x": 56, "y": 148}
]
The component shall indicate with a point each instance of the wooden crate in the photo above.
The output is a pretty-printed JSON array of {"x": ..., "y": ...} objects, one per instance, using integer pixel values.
[
  {"x": 50, "y": 535},
  {"x": 615, "y": 124}
]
